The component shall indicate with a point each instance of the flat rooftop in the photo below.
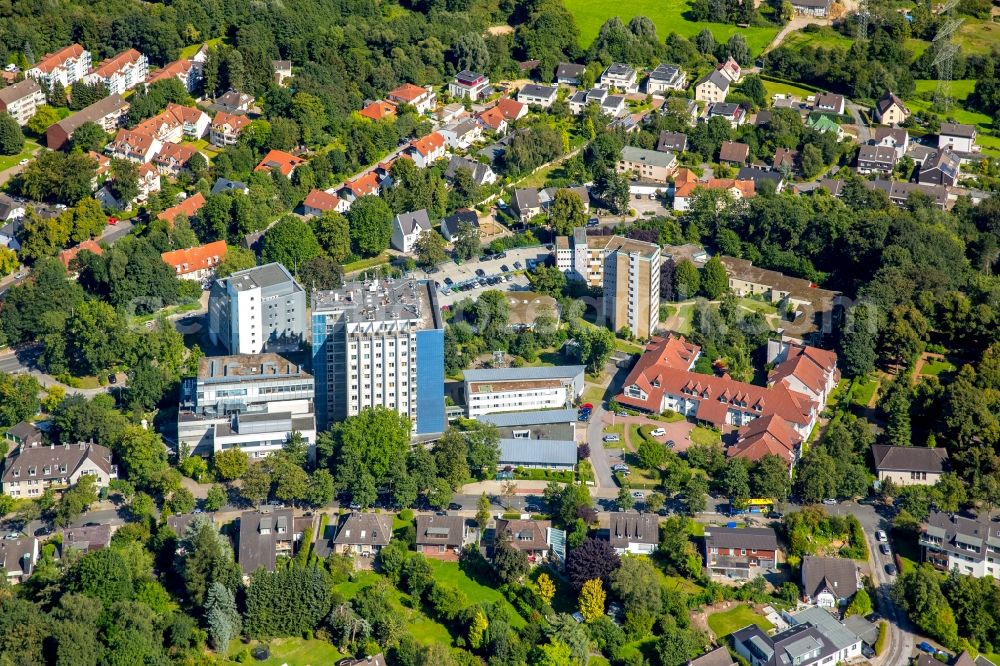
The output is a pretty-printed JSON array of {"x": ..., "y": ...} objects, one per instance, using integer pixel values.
[
  {"x": 267, "y": 275},
  {"x": 382, "y": 300},
  {"x": 243, "y": 366}
]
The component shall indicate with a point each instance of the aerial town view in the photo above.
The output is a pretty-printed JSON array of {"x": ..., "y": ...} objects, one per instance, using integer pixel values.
[{"x": 481, "y": 333}]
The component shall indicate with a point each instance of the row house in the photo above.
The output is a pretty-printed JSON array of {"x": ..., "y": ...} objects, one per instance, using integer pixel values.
[
  {"x": 122, "y": 72},
  {"x": 187, "y": 72},
  {"x": 423, "y": 99},
  {"x": 107, "y": 113},
  {"x": 967, "y": 544},
  {"x": 133, "y": 146},
  {"x": 196, "y": 263},
  {"x": 30, "y": 470},
  {"x": 20, "y": 100},
  {"x": 226, "y": 129},
  {"x": 427, "y": 150},
  {"x": 876, "y": 159},
  {"x": 318, "y": 202},
  {"x": 66, "y": 66}
]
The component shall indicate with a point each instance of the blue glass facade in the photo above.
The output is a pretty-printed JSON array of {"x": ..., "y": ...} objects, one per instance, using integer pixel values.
[
  {"x": 430, "y": 382},
  {"x": 319, "y": 369}
]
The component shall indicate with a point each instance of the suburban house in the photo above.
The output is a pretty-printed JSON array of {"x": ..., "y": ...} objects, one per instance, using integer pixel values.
[
  {"x": 822, "y": 124},
  {"x": 282, "y": 70},
  {"x": 471, "y": 85},
  {"x": 367, "y": 184},
  {"x": 441, "y": 537},
  {"x": 264, "y": 536},
  {"x": 909, "y": 465},
  {"x": 758, "y": 176},
  {"x": 526, "y": 203},
  {"x": 451, "y": 225},
  {"x": 785, "y": 160},
  {"x": 280, "y": 161},
  {"x": 407, "y": 229},
  {"x": 802, "y": 645},
  {"x": 522, "y": 389},
  {"x": 818, "y": 8},
  {"x": 378, "y": 110},
  {"x": 173, "y": 158},
  {"x": 734, "y": 153},
  {"x": 899, "y": 192},
  {"x": 556, "y": 455},
  {"x": 226, "y": 128},
  {"x": 712, "y": 88},
  {"x": 363, "y": 534},
  {"x": 620, "y": 77},
  {"x": 234, "y": 101},
  {"x": 610, "y": 105},
  {"x": 318, "y": 202},
  {"x": 718, "y": 657},
  {"x": 186, "y": 71},
  {"x": 665, "y": 77},
  {"x": 120, "y": 73},
  {"x": 953, "y": 136},
  {"x": 492, "y": 118},
  {"x": 461, "y": 134},
  {"x": 18, "y": 558},
  {"x": 965, "y": 543},
  {"x": 133, "y": 146},
  {"x": 829, "y": 582},
  {"x": 188, "y": 208},
  {"x": 634, "y": 533},
  {"x": 896, "y": 138},
  {"x": 67, "y": 66},
  {"x": 369, "y": 660},
  {"x": 740, "y": 553},
  {"x": 511, "y": 109},
  {"x": 672, "y": 142},
  {"x": 569, "y": 74},
  {"x": 10, "y": 210},
  {"x": 30, "y": 470},
  {"x": 827, "y": 102},
  {"x": 67, "y": 256},
  {"x": 686, "y": 183},
  {"x": 530, "y": 536},
  {"x": 646, "y": 165},
  {"x": 231, "y": 186},
  {"x": 941, "y": 168},
  {"x": 106, "y": 112},
  {"x": 876, "y": 159},
  {"x": 890, "y": 110},
  {"x": 533, "y": 94},
  {"x": 86, "y": 539},
  {"x": 196, "y": 263},
  {"x": 20, "y": 100},
  {"x": 427, "y": 150},
  {"x": 730, "y": 69},
  {"x": 423, "y": 99},
  {"x": 481, "y": 173},
  {"x": 734, "y": 113},
  {"x": 24, "y": 434}
]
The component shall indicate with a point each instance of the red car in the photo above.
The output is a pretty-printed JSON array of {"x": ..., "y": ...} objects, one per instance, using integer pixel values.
[
  {"x": 112, "y": 220},
  {"x": 587, "y": 405}
]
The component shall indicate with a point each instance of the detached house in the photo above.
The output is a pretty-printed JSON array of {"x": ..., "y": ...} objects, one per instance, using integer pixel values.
[
  {"x": 235, "y": 102},
  {"x": 610, "y": 105},
  {"x": 18, "y": 558},
  {"x": 530, "y": 536},
  {"x": 280, "y": 161},
  {"x": 363, "y": 534},
  {"x": 20, "y": 100},
  {"x": 451, "y": 225},
  {"x": 30, "y": 470},
  {"x": 740, "y": 553},
  {"x": 318, "y": 202},
  {"x": 909, "y": 465},
  {"x": 471, "y": 85},
  {"x": 965, "y": 543},
  {"x": 829, "y": 582},
  {"x": 896, "y": 138},
  {"x": 441, "y": 537},
  {"x": 818, "y": 8},
  {"x": 569, "y": 74},
  {"x": 366, "y": 184},
  {"x": 621, "y": 77},
  {"x": 542, "y": 96},
  {"x": 941, "y": 168},
  {"x": 686, "y": 184},
  {"x": 282, "y": 70},
  {"x": 890, "y": 110},
  {"x": 427, "y": 150},
  {"x": 66, "y": 66},
  {"x": 378, "y": 110},
  {"x": 527, "y": 204},
  {"x": 264, "y": 536},
  {"x": 713, "y": 87},
  {"x": 481, "y": 173},
  {"x": 731, "y": 70},
  {"x": 664, "y": 78},
  {"x": 734, "y": 113},
  {"x": 188, "y": 207},
  {"x": 493, "y": 120},
  {"x": 953, "y": 136},
  {"x": 422, "y": 98},
  {"x": 407, "y": 229},
  {"x": 634, "y": 533},
  {"x": 734, "y": 153},
  {"x": 829, "y": 103},
  {"x": 133, "y": 146},
  {"x": 123, "y": 72},
  {"x": 226, "y": 129},
  {"x": 461, "y": 134},
  {"x": 876, "y": 159}
]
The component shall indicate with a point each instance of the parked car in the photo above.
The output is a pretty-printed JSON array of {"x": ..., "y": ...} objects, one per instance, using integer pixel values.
[
  {"x": 517, "y": 266},
  {"x": 532, "y": 508},
  {"x": 454, "y": 506},
  {"x": 926, "y": 647},
  {"x": 658, "y": 432},
  {"x": 502, "y": 255},
  {"x": 884, "y": 549},
  {"x": 881, "y": 537},
  {"x": 670, "y": 443},
  {"x": 621, "y": 413},
  {"x": 508, "y": 277},
  {"x": 829, "y": 500},
  {"x": 112, "y": 379},
  {"x": 890, "y": 569},
  {"x": 480, "y": 272},
  {"x": 611, "y": 438},
  {"x": 638, "y": 494},
  {"x": 448, "y": 281},
  {"x": 531, "y": 264},
  {"x": 505, "y": 268},
  {"x": 23, "y": 162}
]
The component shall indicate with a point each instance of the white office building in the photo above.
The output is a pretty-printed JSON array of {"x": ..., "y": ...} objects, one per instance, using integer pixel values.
[
  {"x": 259, "y": 309},
  {"x": 251, "y": 402},
  {"x": 522, "y": 389}
]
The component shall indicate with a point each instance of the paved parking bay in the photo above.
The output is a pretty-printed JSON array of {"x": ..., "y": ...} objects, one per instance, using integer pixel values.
[{"x": 459, "y": 273}]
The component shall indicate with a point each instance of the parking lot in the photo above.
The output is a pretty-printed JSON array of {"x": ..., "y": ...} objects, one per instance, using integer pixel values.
[{"x": 516, "y": 261}]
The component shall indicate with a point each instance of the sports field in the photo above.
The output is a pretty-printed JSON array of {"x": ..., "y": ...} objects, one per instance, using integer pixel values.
[{"x": 668, "y": 17}]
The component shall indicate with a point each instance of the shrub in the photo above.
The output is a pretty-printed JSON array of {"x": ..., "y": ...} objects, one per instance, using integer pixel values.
[{"x": 883, "y": 636}]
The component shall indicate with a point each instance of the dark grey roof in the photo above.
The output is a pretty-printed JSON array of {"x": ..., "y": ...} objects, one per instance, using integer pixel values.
[
  {"x": 516, "y": 452},
  {"x": 479, "y": 170},
  {"x": 811, "y": 3},
  {"x": 836, "y": 575},
  {"x": 570, "y": 70},
  {"x": 620, "y": 70},
  {"x": 18, "y": 555},
  {"x": 758, "y": 175},
  {"x": 665, "y": 72},
  {"x": 259, "y": 533},
  {"x": 862, "y": 628},
  {"x": 879, "y": 154},
  {"x": 450, "y": 224},
  {"x": 718, "y": 657},
  {"x": 544, "y": 417},
  {"x": 268, "y": 275},
  {"x": 630, "y": 527},
  {"x": 909, "y": 458},
  {"x": 87, "y": 538},
  {"x": 763, "y": 118},
  {"x": 788, "y": 647},
  {"x": 535, "y": 90},
  {"x": 724, "y": 109},
  {"x": 19, "y": 90},
  {"x": 828, "y": 100},
  {"x": 364, "y": 529},
  {"x": 888, "y": 100},
  {"x": 672, "y": 141},
  {"x": 24, "y": 431},
  {"x": 899, "y": 135},
  {"x": 716, "y": 77},
  {"x": 413, "y": 222},
  {"x": 226, "y": 185},
  {"x": 958, "y": 129},
  {"x": 945, "y": 160},
  {"x": 62, "y": 461},
  {"x": 526, "y": 198},
  {"x": 371, "y": 660},
  {"x": 756, "y": 538},
  {"x": 437, "y": 530},
  {"x": 954, "y": 529},
  {"x": 526, "y": 373},
  {"x": 93, "y": 113}
]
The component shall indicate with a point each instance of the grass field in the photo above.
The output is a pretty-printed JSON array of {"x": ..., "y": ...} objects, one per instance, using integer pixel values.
[
  {"x": 291, "y": 651},
  {"x": 366, "y": 263},
  {"x": 978, "y": 36},
  {"x": 936, "y": 368},
  {"x": 702, "y": 435},
  {"x": 959, "y": 89},
  {"x": 189, "y": 51},
  {"x": 774, "y": 88},
  {"x": 916, "y": 46},
  {"x": 667, "y": 15},
  {"x": 825, "y": 37},
  {"x": 448, "y": 572},
  {"x": 863, "y": 392},
  {"x": 7, "y": 161},
  {"x": 727, "y": 622}
]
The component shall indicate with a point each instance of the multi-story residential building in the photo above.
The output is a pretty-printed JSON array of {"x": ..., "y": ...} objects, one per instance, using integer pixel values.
[
  {"x": 66, "y": 66},
  {"x": 941, "y": 168},
  {"x": 810, "y": 641},
  {"x": 21, "y": 100},
  {"x": 876, "y": 159},
  {"x": 423, "y": 99},
  {"x": 133, "y": 146},
  {"x": 188, "y": 207},
  {"x": 522, "y": 389},
  {"x": 542, "y": 96},
  {"x": 712, "y": 88},
  {"x": 686, "y": 183},
  {"x": 196, "y": 263},
  {"x": 473, "y": 85},
  {"x": 611, "y": 105},
  {"x": 379, "y": 343},
  {"x": 896, "y": 138},
  {"x": 646, "y": 165},
  {"x": 909, "y": 465},
  {"x": 547, "y": 424},
  {"x": 967, "y": 544},
  {"x": 664, "y": 78},
  {"x": 265, "y": 535},
  {"x": 628, "y": 270},
  {"x": 30, "y": 470},
  {"x": 126, "y": 70},
  {"x": 621, "y": 77},
  {"x": 362, "y": 533},
  {"x": 173, "y": 158},
  {"x": 258, "y": 309},
  {"x": 252, "y": 402},
  {"x": 890, "y": 110},
  {"x": 740, "y": 553},
  {"x": 226, "y": 128},
  {"x": 187, "y": 72},
  {"x": 427, "y": 150},
  {"x": 177, "y": 123},
  {"x": 107, "y": 113},
  {"x": 957, "y": 137}
]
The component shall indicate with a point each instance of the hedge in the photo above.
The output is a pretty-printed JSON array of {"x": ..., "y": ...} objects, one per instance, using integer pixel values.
[{"x": 883, "y": 636}]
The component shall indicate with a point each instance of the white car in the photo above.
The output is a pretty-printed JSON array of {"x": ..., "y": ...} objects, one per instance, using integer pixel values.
[
  {"x": 831, "y": 501},
  {"x": 638, "y": 494},
  {"x": 611, "y": 438},
  {"x": 659, "y": 432},
  {"x": 881, "y": 537},
  {"x": 23, "y": 162}
]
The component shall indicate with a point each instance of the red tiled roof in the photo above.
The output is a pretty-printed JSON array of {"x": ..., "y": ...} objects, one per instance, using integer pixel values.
[
  {"x": 510, "y": 108},
  {"x": 53, "y": 60},
  {"x": 407, "y": 92},
  {"x": 378, "y": 110},
  {"x": 133, "y": 141},
  {"x": 235, "y": 121},
  {"x": 806, "y": 364},
  {"x": 768, "y": 435},
  {"x": 428, "y": 144},
  {"x": 746, "y": 187},
  {"x": 188, "y": 207},
  {"x": 321, "y": 200},
  {"x": 364, "y": 184},
  {"x": 174, "y": 69},
  {"x": 280, "y": 160},
  {"x": 196, "y": 258},
  {"x": 67, "y": 256},
  {"x": 174, "y": 153},
  {"x": 185, "y": 114},
  {"x": 107, "y": 68},
  {"x": 492, "y": 117}
]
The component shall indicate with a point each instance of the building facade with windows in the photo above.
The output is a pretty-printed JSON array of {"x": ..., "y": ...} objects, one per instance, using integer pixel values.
[
  {"x": 32, "y": 469},
  {"x": 259, "y": 309},
  {"x": 967, "y": 544},
  {"x": 250, "y": 402},
  {"x": 522, "y": 389},
  {"x": 379, "y": 343}
]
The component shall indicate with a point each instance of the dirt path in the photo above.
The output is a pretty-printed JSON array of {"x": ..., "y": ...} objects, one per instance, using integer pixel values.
[{"x": 797, "y": 23}]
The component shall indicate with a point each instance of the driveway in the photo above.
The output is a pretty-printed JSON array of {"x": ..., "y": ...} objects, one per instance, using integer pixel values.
[
  {"x": 864, "y": 133},
  {"x": 679, "y": 432}
]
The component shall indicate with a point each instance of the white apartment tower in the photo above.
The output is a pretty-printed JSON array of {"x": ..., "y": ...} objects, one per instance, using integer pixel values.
[{"x": 258, "y": 309}]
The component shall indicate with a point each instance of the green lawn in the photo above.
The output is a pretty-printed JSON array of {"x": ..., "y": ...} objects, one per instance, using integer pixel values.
[
  {"x": 362, "y": 264},
  {"x": 703, "y": 435},
  {"x": 684, "y": 315},
  {"x": 978, "y": 36},
  {"x": 959, "y": 89},
  {"x": 863, "y": 391},
  {"x": 627, "y": 347},
  {"x": 727, "y": 622},
  {"x": 754, "y": 305},
  {"x": 916, "y": 46},
  {"x": 825, "y": 37},
  {"x": 773, "y": 88},
  {"x": 935, "y": 368},
  {"x": 449, "y": 572},
  {"x": 957, "y": 113},
  {"x": 291, "y": 651},
  {"x": 189, "y": 51},
  {"x": 203, "y": 146},
  {"x": 7, "y": 161},
  {"x": 593, "y": 394},
  {"x": 668, "y": 16}
]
